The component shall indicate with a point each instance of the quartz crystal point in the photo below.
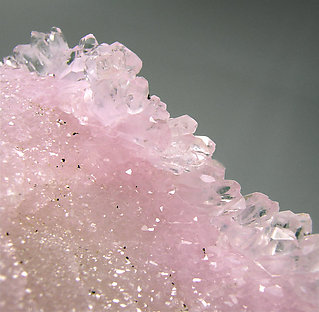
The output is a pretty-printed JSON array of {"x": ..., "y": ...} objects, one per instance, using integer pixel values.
[{"x": 108, "y": 204}]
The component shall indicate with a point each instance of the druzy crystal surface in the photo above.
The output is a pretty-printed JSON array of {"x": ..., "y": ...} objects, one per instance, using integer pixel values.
[{"x": 108, "y": 204}]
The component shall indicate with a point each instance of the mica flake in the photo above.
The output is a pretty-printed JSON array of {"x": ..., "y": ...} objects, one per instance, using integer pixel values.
[{"x": 109, "y": 204}]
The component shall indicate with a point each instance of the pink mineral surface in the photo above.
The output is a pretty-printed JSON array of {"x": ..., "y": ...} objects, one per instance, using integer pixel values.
[{"x": 108, "y": 204}]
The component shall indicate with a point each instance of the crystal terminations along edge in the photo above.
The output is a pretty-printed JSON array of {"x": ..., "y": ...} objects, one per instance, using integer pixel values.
[{"x": 108, "y": 204}]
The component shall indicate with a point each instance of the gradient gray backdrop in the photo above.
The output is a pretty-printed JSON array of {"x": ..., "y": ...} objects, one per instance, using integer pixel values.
[{"x": 245, "y": 70}]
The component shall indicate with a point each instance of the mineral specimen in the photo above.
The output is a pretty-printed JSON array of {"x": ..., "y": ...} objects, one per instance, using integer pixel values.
[{"x": 108, "y": 204}]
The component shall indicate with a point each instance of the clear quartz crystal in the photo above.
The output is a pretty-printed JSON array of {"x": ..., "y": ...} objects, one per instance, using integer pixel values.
[{"x": 43, "y": 55}]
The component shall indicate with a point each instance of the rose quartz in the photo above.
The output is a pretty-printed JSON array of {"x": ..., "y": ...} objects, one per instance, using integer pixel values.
[{"x": 108, "y": 204}]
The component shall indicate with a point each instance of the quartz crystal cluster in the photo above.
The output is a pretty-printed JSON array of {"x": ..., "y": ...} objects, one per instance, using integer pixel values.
[{"x": 109, "y": 204}]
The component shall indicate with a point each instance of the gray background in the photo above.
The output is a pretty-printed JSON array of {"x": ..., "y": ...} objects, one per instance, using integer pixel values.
[{"x": 245, "y": 70}]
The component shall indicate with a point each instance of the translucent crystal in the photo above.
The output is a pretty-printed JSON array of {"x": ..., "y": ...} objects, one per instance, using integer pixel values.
[
  {"x": 44, "y": 53},
  {"x": 299, "y": 224},
  {"x": 258, "y": 210},
  {"x": 108, "y": 204},
  {"x": 182, "y": 125},
  {"x": 309, "y": 261},
  {"x": 88, "y": 43}
]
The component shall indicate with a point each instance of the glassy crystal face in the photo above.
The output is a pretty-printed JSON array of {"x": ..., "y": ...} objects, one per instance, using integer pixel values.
[{"x": 108, "y": 204}]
